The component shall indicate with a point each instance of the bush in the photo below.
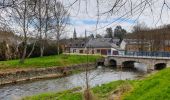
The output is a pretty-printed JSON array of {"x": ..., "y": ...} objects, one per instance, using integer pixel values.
[
  {"x": 11, "y": 52},
  {"x": 49, "y": 49},
  {"x": 7, "y": 51}
]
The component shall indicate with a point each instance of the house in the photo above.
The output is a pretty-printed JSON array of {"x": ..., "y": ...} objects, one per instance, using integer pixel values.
[
  {"x": 166, "y": 46},
  {"x": 103, "y": 46},
  {"x": 75, "y": 45},
  {"x": 116, "y": 41},
  {"x": 135, "y": 45}
]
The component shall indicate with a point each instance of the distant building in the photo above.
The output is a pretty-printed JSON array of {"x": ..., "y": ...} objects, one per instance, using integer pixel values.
[
  {"x": 103, "y": 46},
  {"x": 116, "y": 41},
  {"x": 167, "y": 46},
  {"x": 75, "y": 45},
  {"x": 135, "y": 45}
]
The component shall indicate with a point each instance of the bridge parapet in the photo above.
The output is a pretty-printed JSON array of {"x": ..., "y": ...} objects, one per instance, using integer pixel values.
[{"x": 150, "y": 62}]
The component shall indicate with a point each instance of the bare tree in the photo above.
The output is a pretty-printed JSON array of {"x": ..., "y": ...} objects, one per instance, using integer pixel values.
[
  {"x": 60, "y": 21},
  {"x": 21, "y": 15},
  {"x": 39, "y": 22},
  {"x": 43, "y": 22}
]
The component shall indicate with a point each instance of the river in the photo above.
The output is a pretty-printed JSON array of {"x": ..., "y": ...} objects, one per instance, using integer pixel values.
[{"x": 97, "y": 77}]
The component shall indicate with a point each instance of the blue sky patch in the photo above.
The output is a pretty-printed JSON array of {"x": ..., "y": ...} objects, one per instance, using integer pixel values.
[{"x": 93, "y": 22}]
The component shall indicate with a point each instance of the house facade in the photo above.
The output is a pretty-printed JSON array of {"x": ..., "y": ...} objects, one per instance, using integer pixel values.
[
  {"x": 101, "y": 46},
  {"x": 75, "y": 45},
  {"x": 135, "y": 45}
]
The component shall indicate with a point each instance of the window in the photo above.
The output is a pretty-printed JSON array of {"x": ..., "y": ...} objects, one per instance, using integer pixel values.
[
  {"x": 74, "y": 50},
  {"x": 98, "y": 50}
]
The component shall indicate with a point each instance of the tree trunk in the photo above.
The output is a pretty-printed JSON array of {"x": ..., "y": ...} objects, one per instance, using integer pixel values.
[
  {"x": 24, "y": 53},
  {"x": 58, "y": 44},
  {"x": 33, "y": 47},
  {"x": 25, "y": 34},
  {"x": 58, "y": 48},
  {"x": 40, "y": 31},
  {"x": 42, "y": 50}
]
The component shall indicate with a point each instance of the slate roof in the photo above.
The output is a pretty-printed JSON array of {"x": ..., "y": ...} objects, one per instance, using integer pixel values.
[
  {"x": 101, "y": 43},
  {"x": 77, "y": 43}
]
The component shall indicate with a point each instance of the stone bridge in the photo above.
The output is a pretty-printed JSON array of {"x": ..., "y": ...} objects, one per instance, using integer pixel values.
[{"x": 152, "y": 63}]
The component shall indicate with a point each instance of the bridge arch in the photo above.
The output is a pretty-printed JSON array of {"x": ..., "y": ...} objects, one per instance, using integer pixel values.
[
  {"x": 112, "y": 63},
  {"x": 160, "y": 66},
  {"x": 135, "y": 64},
  {"x": 128, "y": 64}
]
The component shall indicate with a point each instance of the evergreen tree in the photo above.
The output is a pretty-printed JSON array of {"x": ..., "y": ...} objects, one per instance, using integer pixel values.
[
  {"x": 119, "y": 32},
  {"x": 109, "y": 33}
]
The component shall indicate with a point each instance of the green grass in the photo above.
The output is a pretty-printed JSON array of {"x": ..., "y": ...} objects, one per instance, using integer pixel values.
[
  {"x": 48, "y": 61},
  {"x": 65, "y": 95},
  {"x": 105, "y": 89},
  {"x": 155, "y": 87}
]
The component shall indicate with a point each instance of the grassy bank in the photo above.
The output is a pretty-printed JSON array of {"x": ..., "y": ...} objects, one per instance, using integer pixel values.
[
  {"x": 49, "y": 61},
  {"x": 154, "y": 87},
  {"x": 100, "y": 92},
  {"x": 65, "y": 95}
]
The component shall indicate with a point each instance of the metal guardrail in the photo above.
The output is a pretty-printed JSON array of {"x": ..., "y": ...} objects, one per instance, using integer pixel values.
[
  {"x": 145, "y": 57},
  {"x": 147, "y": 53},
  {"x": 144, "y": 54}
]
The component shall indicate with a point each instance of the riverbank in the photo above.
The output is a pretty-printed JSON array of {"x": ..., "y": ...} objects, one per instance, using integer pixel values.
[
  {"x": 42, "y": 73},
  {"x": 72, "y": 94},
  {"x": 153, "y": 87},
  {"x": 46, "y": 62},
  {"x": 97, "y": 76},
  {"x": 44, "y": 67}
]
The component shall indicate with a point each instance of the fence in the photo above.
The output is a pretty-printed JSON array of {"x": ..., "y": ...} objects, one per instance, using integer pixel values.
[{"x": 146, "y": 53}]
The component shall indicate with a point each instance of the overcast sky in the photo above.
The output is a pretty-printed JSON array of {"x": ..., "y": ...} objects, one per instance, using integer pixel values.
[{"x": 84, "y": 15}]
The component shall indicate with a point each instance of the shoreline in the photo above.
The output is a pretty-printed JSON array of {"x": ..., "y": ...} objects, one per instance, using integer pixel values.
[{"x": 30, "y": 75}]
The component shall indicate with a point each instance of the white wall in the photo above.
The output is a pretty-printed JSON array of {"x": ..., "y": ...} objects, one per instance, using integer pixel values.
[{"x": 123, "y": 45}]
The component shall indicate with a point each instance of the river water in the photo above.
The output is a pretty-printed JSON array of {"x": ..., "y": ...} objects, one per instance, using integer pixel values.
[{"x": 97, "y": 77}]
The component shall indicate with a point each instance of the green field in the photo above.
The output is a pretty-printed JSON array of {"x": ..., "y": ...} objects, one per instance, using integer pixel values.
[
  {"x": 153, "y": 87},
  {"x": 48, "y": 61}
]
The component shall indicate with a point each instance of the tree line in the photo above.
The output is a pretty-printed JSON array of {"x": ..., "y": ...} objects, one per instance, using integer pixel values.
[
  {"x": 118, "y": 32},
  {"x": 39, "y": 19},
  {"x": 11, "y": 47},
  {"x": 157, "y": 38}
]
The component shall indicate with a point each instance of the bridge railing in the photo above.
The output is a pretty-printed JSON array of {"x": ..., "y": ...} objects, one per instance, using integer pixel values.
[{"x": 145, "y": 53}]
